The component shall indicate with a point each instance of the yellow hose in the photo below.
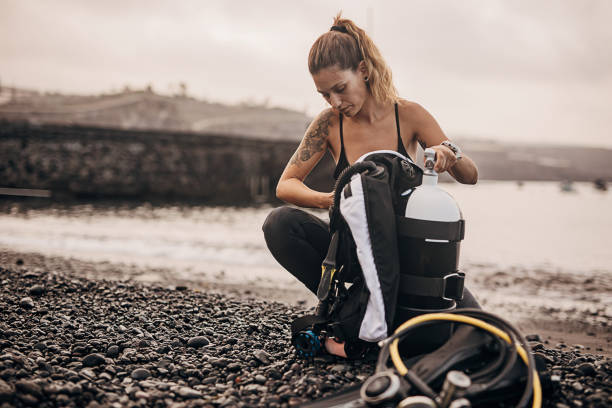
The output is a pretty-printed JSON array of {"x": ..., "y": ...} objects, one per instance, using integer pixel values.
[{"x": 403, "y": 370}]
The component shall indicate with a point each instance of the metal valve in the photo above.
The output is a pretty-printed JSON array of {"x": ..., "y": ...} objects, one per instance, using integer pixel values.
[
  {"x": 454, "y": 384},
  {"x": 430, "y": 159}
]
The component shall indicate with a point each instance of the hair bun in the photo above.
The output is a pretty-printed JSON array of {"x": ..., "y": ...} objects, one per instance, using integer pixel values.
[{"x": 341, "y": 29}]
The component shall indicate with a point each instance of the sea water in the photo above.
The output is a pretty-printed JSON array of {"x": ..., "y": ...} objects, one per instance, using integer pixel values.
[{"x": 533, "y": 225}]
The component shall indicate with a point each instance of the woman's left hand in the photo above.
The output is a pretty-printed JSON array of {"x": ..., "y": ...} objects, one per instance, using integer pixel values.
[{"x": 445, "y": 158}]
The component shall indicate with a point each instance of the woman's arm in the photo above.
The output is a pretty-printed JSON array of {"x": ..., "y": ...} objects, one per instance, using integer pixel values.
[
  {"x": 429, "y": 134},
  {"x": 291, "y": 187}
]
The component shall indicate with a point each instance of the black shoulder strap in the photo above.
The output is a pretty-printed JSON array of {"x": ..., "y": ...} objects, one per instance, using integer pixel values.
[
  {"x": 400, "y": 143},
  {"x": 341, "y": 136},
  {"x": 397, "y": 125}
]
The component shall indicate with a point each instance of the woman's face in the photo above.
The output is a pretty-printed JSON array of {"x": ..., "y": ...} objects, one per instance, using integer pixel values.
[{"x": 344, "y": 89}]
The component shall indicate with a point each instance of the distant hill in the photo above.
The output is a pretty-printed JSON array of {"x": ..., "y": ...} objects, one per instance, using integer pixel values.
[{"x": 147, "y": 110}]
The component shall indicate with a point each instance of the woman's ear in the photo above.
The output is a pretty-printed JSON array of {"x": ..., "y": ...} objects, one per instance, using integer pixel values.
[{"x": 363, "y": 70}]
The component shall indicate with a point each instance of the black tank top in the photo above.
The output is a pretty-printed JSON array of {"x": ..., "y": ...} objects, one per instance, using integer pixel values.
[{"x": 342, "y": 160}]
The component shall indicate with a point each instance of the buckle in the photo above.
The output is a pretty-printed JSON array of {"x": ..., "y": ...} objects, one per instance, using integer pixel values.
[{"x": 453, "y": 286}]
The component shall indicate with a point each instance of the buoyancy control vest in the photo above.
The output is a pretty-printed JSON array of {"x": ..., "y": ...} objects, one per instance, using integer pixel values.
[{"x": 393, "y": 255}]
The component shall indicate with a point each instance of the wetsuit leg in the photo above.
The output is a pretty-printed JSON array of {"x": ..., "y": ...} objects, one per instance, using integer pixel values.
[{"x": 299, "y": 242}]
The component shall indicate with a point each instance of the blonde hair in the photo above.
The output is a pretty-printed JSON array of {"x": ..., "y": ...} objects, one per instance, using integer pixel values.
[{"x": 346, "y": 45}]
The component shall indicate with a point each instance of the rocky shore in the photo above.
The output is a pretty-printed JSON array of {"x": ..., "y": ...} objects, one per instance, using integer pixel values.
[{"x": 67, "y": 340}]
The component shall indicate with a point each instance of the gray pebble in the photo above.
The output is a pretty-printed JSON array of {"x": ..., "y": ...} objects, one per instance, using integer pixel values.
[
  {"x": 198, "y": 341},
  {"x": 187, "y": 392},
  {"x": 587, "y": 369},
  {"x": 26, "y": 303},
  {"x": 29, "y": 387},
  {"x": 112, "y": 351},
  {"x": 140, "y": 374},
  {"x": 37, "y": 290},
  {"x": 262, "y": 356},
  {"x": 92, "y": 360},
  {"x": 6, "y": 391}
]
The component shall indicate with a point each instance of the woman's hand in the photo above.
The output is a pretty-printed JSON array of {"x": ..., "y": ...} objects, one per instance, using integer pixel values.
[{"x": 445, "y": 158}]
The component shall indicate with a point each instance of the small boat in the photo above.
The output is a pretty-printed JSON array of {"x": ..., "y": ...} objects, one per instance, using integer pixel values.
[
  {"x": 567, "y": 186},
  {"x": 600, "y": 184}
]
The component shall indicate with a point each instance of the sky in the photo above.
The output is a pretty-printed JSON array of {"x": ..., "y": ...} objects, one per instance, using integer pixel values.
[{"x": 537, "y": 71}]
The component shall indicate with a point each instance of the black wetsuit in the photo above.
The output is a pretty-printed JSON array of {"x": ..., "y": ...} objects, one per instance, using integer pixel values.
[{"x": 299, "y": 241}]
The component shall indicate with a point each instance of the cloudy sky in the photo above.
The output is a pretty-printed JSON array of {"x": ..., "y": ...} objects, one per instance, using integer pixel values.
[{"x": 514, "y": 70}]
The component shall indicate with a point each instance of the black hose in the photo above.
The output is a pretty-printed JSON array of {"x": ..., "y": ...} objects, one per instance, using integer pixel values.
[
  {"x": 514, "y": 334},
  {"x": 504, "y": 349},
  {"x": 509, "y": 364},
  {"x": 528, "y": 392}
]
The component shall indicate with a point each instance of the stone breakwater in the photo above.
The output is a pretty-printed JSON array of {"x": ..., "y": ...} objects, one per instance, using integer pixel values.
[
  {"x": 69, "y": 341},
  {"x": 97, "y": 162}
]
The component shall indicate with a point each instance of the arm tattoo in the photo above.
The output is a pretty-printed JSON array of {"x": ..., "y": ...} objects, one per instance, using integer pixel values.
[{"x": 314, "y": 141}]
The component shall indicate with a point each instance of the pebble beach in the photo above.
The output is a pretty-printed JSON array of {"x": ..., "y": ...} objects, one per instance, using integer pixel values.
[{"x": 67, "y": 339}]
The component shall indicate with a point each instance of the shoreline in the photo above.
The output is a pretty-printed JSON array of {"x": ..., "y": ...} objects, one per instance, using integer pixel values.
[{"x": 530, "y": 300}]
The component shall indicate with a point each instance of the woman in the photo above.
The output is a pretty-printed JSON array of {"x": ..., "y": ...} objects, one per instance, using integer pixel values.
[{"x": 365, "y": 114}]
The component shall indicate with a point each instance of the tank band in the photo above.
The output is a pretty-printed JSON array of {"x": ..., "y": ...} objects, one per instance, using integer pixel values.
[
  {"x": 425, "y": 229},
  {"x": 450, "y": 287}
]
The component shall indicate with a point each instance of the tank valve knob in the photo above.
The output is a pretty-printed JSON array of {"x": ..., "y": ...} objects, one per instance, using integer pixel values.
[
  {"x": 460, "y": 403},
  {"x": 454, "y": 384},
  {"x": 430, "y": 159},
  {"x": 417, "y": 402}
]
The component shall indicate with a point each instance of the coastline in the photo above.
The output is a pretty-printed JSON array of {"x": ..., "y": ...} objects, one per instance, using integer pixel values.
[{"x": 565, "y": 310}]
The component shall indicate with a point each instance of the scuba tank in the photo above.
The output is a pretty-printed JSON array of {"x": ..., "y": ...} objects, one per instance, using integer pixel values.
[{"x": 429, "y": 238}]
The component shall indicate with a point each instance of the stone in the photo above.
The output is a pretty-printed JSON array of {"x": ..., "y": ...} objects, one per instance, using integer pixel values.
[
  {"x": 142, "y": 395},
  {"x": 140, "y": 374},
  {"x": 6, "y": 391},
  {"x": 339, "y": 368},
  {"x": 93, "y": 360},
  {"x": 29, "y": 387},
  {"x": 198, "y": 341},
  {"x": 262, "y": 356},
  {"x": 186, "y": 392},
  {"x": 533, "y": 337},
  {"x": 29, "y": 400},
  {"x": 587, "y": 369},
  {"x": 26, "y": 303},
  {"x": 88, "y": 373},
  {"x": 112, "y": 351},
  {"x": 36, "y": 290}
]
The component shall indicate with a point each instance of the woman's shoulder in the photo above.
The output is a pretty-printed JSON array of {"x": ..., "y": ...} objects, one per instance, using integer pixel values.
[
  {"x": 414, "y": 112},
  {"x": 410, "y": 108},
  {"x": 324, "y": 120},
  {"x": 326, "y": 114}
]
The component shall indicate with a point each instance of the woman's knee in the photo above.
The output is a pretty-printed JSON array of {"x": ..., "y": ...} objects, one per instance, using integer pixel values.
[{"x": 278, "y": 222}]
